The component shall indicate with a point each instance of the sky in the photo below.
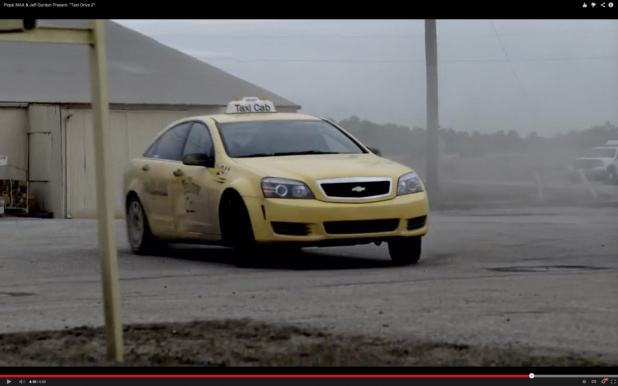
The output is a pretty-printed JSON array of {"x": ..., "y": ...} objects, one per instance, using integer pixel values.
[{"x": 547, "y": 76}]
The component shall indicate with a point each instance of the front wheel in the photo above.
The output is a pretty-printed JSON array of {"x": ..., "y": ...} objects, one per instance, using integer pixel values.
[
  {"x": 405, "y": 251},
  {"x": 237, "y": 230}
]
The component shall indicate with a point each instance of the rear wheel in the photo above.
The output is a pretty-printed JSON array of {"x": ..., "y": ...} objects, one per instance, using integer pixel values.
[
  {"x": 140, "y": 237},
  {"x": 405, "y": 250}
]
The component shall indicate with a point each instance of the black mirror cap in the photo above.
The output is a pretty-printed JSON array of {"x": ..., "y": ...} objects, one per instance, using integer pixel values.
[
  {"x": 199, "y": 159},
  {"x": 375, "y": 151}
]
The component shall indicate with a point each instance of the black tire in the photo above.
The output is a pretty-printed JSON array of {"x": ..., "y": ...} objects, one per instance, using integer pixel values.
[
  {"x": 289, "y": 249},
  {"x": 405, "y": 250},
  {"x": 237, "y": 230},
  {"x": 282, "y": 253},
  {"x": 142, "y": 241}
]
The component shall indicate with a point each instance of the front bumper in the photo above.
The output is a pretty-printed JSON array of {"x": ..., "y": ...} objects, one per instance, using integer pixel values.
[{"x": 313, "y": 222}]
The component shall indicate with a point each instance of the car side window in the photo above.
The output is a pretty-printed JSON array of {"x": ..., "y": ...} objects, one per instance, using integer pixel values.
[
  {"x": 171, "y": 144},
  {"x": 151, "y": 149},
  {"x": 199, "y": 141}
]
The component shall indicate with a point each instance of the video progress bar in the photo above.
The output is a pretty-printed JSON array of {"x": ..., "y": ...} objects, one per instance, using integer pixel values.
[{"x": 573, "y": 376}]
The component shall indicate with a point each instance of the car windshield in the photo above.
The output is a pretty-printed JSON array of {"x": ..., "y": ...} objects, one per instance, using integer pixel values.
[
  {"x": 285, "y": 137},
  {"x": 601, "y": 152}
]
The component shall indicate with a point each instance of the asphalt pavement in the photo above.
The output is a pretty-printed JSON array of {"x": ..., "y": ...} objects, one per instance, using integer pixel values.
[{"x": 542, "y": 278}]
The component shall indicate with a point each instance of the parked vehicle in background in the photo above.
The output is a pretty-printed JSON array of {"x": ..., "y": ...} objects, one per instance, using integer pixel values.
[{"x": 600, "y": 164}]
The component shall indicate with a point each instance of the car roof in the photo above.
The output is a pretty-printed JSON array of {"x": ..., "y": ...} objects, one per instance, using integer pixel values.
[{"x": 250, "y": 117}]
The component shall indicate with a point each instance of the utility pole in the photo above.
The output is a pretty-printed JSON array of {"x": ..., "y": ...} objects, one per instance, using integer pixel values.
[
  {"x": 27, "y": 30},
  {"x": 105, "y": 191},
  {"x": 432, "y": 155}
]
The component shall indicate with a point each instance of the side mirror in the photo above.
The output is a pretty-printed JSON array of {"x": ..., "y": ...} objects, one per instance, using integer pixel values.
[
  {"x": 375, "y": 151},
  {"x": 199, "y": 159}
]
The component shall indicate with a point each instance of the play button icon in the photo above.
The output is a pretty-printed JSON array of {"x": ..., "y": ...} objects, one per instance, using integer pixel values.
[{"x": 8, "y": 381}]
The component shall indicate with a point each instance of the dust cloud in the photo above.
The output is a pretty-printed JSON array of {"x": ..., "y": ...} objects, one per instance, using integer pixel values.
[{"x": 503, "y": 169}]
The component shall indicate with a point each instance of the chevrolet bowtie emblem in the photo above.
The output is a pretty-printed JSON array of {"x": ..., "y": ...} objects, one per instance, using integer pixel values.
[{"x": 358, "y": 189}]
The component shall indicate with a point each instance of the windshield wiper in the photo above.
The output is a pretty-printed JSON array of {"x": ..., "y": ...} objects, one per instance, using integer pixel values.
[{"x": 306, "y": 152}]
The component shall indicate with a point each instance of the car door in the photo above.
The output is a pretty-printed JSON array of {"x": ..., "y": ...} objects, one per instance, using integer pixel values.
[
  {"x": 194, "y": 190},
  {"x": 160, "y": 163}
]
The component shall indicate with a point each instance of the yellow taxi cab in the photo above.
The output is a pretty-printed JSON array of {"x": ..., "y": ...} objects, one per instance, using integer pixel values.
[{"x": 254, "y": 177}]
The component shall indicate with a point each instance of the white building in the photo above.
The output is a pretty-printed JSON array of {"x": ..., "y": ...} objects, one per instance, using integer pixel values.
[{"x": 46, "y": 121}]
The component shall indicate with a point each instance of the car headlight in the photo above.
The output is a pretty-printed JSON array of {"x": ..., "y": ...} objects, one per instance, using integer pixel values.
[
  {"x": 284, "y": 188},
  {"x": 409, "y": 183}
]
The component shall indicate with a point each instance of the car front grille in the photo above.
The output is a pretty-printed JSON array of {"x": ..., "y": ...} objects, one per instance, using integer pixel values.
[
  {"x": 290, "y": 228},
  {"x": 359, "y": 227},
  {"x": 416, "y": 223},
  {"x": 357, "y": 188}
]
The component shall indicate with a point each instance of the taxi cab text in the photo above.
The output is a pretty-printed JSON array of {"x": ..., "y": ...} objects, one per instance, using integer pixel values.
[{"x": 254, "y": 178}]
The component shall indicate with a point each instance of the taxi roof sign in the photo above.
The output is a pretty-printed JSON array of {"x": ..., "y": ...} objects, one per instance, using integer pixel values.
[{"x": 250, "y": 105}]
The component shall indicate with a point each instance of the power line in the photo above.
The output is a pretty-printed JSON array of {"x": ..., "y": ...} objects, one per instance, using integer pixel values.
[
  {"x": 506, "y": 54},
  {"x": 185, "y": 35},
  {"x": 540, "y": 60},
  {"x": 402, "y": 36}
]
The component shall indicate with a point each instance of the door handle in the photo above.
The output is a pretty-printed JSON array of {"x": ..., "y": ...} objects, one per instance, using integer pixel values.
[
  {"x": 178, "y": 173},
  {"x": 145, "y": 167}
]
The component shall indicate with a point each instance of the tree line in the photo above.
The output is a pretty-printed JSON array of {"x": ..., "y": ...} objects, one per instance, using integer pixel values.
[{"x": 401, "y": 140}]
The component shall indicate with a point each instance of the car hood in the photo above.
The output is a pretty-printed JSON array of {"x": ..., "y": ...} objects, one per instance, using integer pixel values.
[{"x": 309, "y": 168}]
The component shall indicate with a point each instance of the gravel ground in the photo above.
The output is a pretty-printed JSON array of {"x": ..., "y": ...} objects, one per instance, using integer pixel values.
[{"x": 248, "y": 343}]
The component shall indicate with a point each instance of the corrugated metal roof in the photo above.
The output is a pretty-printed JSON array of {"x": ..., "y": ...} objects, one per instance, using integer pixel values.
[{"x": 140, "y": 71}]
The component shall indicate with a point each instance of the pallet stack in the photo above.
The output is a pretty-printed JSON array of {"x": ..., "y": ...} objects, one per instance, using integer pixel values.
[{"x": 16, "y": 196}]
